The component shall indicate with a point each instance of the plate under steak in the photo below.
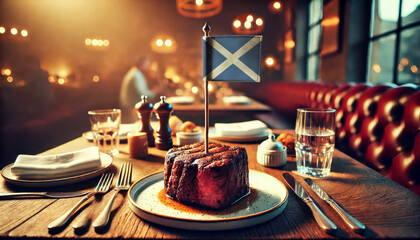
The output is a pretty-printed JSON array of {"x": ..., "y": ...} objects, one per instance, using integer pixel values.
[{"x": 267, "y": 199}]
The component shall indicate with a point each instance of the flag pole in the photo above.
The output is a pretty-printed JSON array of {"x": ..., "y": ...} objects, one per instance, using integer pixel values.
[{"x": 206, "y": 30}]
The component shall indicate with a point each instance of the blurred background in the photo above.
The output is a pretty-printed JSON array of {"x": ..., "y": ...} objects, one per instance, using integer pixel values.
[{"x": 61, "y": 58}]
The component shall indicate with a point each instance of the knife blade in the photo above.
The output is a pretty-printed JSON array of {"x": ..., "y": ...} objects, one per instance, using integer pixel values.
[
  {"x": 352, "y": 222},
  {"x": 43, "y": 194},
  {"x": 323, "y": 221}
]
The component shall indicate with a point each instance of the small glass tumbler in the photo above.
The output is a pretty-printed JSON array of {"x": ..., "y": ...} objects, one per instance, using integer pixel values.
[
  {"x": 314, "y": 141},
  {"x": 105, "y": 126}
]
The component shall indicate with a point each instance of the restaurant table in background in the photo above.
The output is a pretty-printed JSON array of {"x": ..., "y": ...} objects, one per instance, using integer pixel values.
[
  {"x": 387, "y": 209},
  {"x": 218, "y": 109}
]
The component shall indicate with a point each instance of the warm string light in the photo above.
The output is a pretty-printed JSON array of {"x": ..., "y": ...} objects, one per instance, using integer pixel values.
[
  {"x": 275, "y": 6},
  {"x": 97, "y": 42},
  {"x": 14, "y": 31}
]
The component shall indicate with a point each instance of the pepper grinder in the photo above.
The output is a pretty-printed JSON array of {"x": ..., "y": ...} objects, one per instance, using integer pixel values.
[
  {"x": 163, "y": 111},
  {"x": 144, "y": 111}
]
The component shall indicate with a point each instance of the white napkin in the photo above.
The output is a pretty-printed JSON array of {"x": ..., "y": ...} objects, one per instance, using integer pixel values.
[
  {"x": 54, "y": 166},
  {"x": 240, "y": 129}
]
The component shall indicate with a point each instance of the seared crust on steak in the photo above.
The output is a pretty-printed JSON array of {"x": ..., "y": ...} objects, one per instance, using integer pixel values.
[{"x": 215, "y": 179}]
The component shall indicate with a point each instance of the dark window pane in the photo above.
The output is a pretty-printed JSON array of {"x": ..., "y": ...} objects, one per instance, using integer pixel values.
[
  {"x": 385, "y": 16},
  {"x": 409, "y": 59},
  {"x": 410, "y": 12},
  {"x": 381, "y": 65}
]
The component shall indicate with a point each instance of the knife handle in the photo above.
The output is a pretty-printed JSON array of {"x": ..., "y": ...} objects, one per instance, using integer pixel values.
[
  {"x": 354, "y": 224},
  {"x": 323, "y": 221}
]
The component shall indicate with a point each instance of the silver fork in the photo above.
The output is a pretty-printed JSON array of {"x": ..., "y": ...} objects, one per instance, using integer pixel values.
[
  {"x": 123, "y": 183},
  {"x": 102, "y": 187}
]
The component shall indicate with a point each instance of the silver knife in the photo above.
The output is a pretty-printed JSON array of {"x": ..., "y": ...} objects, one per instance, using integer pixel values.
[
  {"x": 43, "y": 194},
  {"x": 323, "y": 221},
  {"x": 353, "y": 223}
]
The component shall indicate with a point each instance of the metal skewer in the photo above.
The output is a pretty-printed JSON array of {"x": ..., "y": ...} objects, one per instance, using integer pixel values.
[{"x": 206, "y": 30}]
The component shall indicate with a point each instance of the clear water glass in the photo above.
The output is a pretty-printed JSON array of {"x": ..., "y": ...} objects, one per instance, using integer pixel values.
[
  {"x": 314, "y": 141},
  {"x": 105, "y": 126}
]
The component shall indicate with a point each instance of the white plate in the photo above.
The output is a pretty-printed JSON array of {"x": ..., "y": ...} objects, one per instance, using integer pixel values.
[
  {"x": 267, "y": 199},
  {"x": 106, "y": 161},
  {"x": 262, "y": 136}
]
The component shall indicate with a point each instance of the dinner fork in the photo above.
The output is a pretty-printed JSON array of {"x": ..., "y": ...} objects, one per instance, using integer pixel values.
[
  {"x": 123, "y": 183},
  {"x": 102, "y": 187}
]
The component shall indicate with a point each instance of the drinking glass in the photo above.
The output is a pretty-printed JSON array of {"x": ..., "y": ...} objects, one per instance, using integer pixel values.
[
  {"x": 314, "y": 142},
  {"x": 105, "y": 126}
]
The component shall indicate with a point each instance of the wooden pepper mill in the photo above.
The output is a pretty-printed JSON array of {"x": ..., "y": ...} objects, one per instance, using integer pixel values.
[
  {"x": 163, "y": 111},
  {"x": 144, "y": 111}
]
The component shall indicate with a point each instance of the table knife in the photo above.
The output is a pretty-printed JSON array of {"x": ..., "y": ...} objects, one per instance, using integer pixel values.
[
  {"x": 353, "y": 223},
  {"x": 43, "y": 194},
  {"x": 323, "y": 221}
]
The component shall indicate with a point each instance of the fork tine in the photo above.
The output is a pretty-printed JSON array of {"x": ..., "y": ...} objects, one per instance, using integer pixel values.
[
  {"x": 98, "y": 186},
  {"x": 109, "y": 182},
  {"x": 130, "y": 174},
  {"x": 127, "y": 175}
]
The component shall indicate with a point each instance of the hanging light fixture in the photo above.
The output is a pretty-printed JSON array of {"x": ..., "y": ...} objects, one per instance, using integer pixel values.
[
  {"x": 199, "y": 8},
  {"x": 248, "y": 24}
]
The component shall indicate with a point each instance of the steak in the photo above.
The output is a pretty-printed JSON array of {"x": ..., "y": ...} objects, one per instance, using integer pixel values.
[{"x": 216, "y": 179}]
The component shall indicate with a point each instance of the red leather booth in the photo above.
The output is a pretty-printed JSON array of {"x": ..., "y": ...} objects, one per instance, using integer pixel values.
[{"x": 378, "y": 125}]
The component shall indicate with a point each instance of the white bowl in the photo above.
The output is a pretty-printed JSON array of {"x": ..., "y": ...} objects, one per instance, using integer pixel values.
[{"x": 185, "y": 138}]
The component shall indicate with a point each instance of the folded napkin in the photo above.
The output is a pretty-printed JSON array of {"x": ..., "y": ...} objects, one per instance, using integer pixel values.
[
  {"x": 240, "y": 129},
  {"x": 55, "y": 166}
]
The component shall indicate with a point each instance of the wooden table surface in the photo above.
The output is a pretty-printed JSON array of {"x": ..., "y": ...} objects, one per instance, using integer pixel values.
[{"x": 387, "y": 209}]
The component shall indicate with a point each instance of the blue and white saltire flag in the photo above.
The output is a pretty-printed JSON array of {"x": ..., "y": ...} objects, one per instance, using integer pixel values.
[{"x": 232, "y": 58}]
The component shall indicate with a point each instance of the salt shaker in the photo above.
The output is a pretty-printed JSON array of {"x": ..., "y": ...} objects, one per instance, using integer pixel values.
[
  {"x": 144, "y": 111},
  {"x": 163, "y": 111},
  {"x": 271, "y": 153}
]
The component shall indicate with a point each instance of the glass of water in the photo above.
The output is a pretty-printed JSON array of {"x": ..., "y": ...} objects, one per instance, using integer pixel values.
[
  {"x": 105, "y": 126},
  {"x": 314, "y": 141}
]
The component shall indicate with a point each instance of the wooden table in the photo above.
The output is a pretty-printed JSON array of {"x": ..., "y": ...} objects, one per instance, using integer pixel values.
[{"x": 387, "y": 209}]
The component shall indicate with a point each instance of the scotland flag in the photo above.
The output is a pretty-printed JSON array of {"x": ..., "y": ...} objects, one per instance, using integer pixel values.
[{"x": 232, "y": 58}]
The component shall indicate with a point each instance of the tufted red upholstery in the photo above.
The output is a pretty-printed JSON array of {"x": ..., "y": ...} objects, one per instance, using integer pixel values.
[{"x": 378, "y": 125}]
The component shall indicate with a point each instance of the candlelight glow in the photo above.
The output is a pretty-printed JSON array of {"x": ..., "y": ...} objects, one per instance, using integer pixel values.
[
  {"x": 199, "y": 2},
  {"x": 106, "y": 43},
  {"x": 9, "y": 79},
  {"x": 330, "y": 22},
  {"x": 259, "y": 21},
  {"x": 376, "y": 68},
  {"x": 210, "y": 87},
  {"x": 6, "y": 72},
  {"x": 159, "y": 42},
  {"x": 404, "y": 61},
  {"x": 2, "y": 30},
  {"x": 269, "y": 61},
  {"x": 414, "y": 69},
  {"x": 88, "y": 41},
  {"x": 289, "y": 44},
  {"x": 24, "y": 33},
  {"x": 194, "y": 90},
  {"x": 168, "y": 42},
  {"x": 236, "y": 23},
  {"x": 61, "y": 81},
  {"x": 95, "y": 78},
  {"x": 250, "y": 18},
  {"x": 276, "y": 5},
  {"x": 176, "y": 79},
  {"x": 13, "y": 31},
  {"x": 51, "y": 79},
  {"x": 247, "y": 25}
]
